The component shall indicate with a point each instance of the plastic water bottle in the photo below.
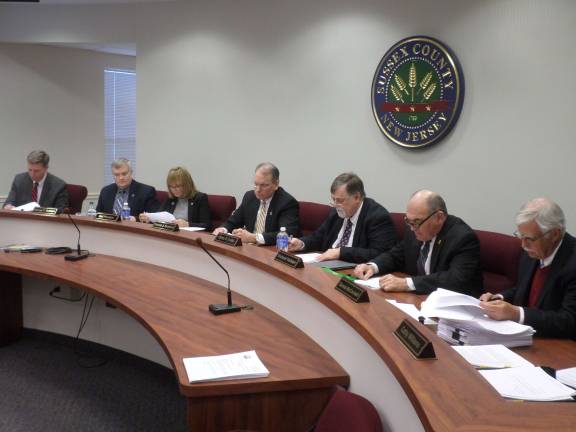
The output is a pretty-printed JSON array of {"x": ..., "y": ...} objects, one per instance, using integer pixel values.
[
  {"x": 125, "y": 211},
  {"x": 91, "y": 210},
  {"x": 282, "y": 240}
]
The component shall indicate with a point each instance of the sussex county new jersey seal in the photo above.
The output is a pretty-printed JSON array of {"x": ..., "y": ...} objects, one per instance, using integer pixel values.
[{"x": 417, "y": 92}]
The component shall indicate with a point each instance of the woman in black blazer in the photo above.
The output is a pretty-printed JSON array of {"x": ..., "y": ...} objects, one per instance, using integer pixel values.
[{"x": 189, "y": 207}]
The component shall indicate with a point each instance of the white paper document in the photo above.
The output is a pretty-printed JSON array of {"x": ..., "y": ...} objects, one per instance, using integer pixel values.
[
  {"x": 527, "y": 383},
  {"x": 163, "y": 217},
  {"x": 447, "y": 304},
  {"x": 192, "y": 229},
  {"x": 27, "y": 207},
  {"x": 411, "y": 310},
  {"x": 309, "y": 257},
  {"x": 491, "y": 356},
  {"x": 567, "y": 376},
  {"x": 225, "y": 367},
  {"x": 372, "y": 283}
]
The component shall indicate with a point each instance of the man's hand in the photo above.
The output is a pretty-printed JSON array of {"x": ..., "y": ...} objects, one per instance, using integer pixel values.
[
  {"x": 219, "y": 230},
  {"x": 330, "y": 254},
  {"x": 181, "y": 223},
  {"x": 9, "y": 207},
  {"x": 363, "y": 271},
  {"x": 501, "y": 310},
  {"x": 392, "y": 283},
  {"x": 144, "y": 218},
  {"x": 295, "y": 245},
  {"x": 245, "y": 236}
]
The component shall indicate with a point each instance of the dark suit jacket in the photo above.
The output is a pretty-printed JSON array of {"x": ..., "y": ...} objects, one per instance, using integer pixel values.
[
  {"x": 454, "y": 265},
  {"x": 141, "y": 198},
  {"x": 198, "y": 210},
  {"x": 54, "y": 192},
  {"x": 555, "y": 311},
  {"x": 282, "y": 212},
  {"x": 373, "y": 235}
]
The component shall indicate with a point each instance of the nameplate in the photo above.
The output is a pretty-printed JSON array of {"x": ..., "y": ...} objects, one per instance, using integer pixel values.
[
  {"x": 417, "y": 344},
  {"x": 354, "y": 292},
  {"x": 165, "y": 226},
  {"x": 289, "y": 259},
  {"x": 107, "y": 217},
  {"x": 46, "y": 210},
  {"x": 229, "y": 239}
]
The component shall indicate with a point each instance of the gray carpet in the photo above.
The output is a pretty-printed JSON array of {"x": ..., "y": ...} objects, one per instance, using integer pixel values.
[{"x": 43, "y": 387}]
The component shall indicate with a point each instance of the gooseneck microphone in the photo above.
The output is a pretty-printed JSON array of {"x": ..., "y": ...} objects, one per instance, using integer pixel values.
[
  {"x": 80, "y": 254},
  {"x": 219, "y": 309}
]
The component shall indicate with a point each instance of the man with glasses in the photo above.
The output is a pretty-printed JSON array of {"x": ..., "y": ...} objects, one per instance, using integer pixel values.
[
  {"x": 438, "y": 251},
  {"x": 545, "y": 294},
  {"x": 264, "y": 210},
  {"x": 139, "y": 196},
  {"x": 356, "y": 229}
]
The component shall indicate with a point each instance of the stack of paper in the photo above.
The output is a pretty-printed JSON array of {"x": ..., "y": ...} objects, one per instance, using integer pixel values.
[
  {"x": 463, "y": 322},
  {"x": 527, "y": 383},
  {"x": 491, "y": 356},
  {"x": 411, "y": 310},
  {"x": 567, "y": 376},
  {"x": 225, "y": 367},
  {"x": 27, "y": 207},
  {"x": 163, "y": 217}
]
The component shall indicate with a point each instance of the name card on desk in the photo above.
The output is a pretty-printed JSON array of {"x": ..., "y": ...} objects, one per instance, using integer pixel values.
[
  {"x": 45, "y": 210},
  {"x": 417, "y": 344},
  {"x": 354, "y": 292},
  {"x": 107, "y": 217},
  {"x": 228, "y": 239},
  {"x": 289, "y": 259},
  {"x": 165, "y": 226}
]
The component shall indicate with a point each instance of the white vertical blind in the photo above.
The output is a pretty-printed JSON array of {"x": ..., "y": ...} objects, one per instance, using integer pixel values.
[{"x": 119, "y": 118}]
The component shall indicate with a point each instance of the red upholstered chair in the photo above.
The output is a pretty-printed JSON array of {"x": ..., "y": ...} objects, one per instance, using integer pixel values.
[
  {"x": 349, "y": 412},
  {"x": 76, "y": 196},
  {"x": 499, "y": 256},
  {"x": 221, "y": 207},
  {"x": 312, "y": 215},
  {"x": 398, "y": 220},
  {"x": 161, "y": 196}
]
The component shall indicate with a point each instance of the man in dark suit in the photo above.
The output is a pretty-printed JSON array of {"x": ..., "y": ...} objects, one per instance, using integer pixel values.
[
  {"x": 545, "y": 295},
  {"x": 37, "y": 185},
  {"x": 140, "y": 197},
  {"x": 357, "y": 228},
  {"x": 439, "y": 250},
  {"x": 264, "y": 210}
]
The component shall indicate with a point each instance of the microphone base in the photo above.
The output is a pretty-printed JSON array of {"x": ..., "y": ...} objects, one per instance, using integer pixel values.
[
  {"x": 77, "y": 257},
  {"x": 219, "y": 309}
]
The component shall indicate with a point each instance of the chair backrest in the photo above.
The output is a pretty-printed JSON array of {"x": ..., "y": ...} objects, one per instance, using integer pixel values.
[
  {"x": 221, "y": 207},
  {"x": 161, "y": 196},
  {"x": 312, "y": 215},
  {"x": 76, "y": 196},
  {"x": 398, "y": 220},
  {"x": 499, "y": 256},
  {"x": 347, "y": 412}
]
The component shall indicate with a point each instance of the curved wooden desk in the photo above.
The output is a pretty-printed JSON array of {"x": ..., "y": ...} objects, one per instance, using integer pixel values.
[{"x": 438, "y": 395}]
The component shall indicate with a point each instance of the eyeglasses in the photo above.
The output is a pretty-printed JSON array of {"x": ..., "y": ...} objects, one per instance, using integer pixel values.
[
  {"x": 262, "y": 185},
  {"x": 334, "y": 202},
  {"x": 415, "y": 224},
  {"x": 527, "y": 239}
]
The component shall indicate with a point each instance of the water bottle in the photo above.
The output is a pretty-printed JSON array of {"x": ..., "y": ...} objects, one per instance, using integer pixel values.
[
  {"x": 91, "y": 210},
  {"x": 125, "y": 212},
  {"x": 282, "y": 240}
]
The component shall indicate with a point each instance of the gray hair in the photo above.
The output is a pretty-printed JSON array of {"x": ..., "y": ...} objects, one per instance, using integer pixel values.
[
  {"x": 269, "y": 168},
  {"x": 38, "y": 157},
  {"x": 121, "y": 162},
  {"x": 352, "y": 181},
  {"x": 434, "y": 201},
  {"x": 545, "y": 212}
]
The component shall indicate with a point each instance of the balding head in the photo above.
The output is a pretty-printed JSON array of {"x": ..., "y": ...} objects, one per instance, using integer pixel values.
[{"x": 425, "y": 214}]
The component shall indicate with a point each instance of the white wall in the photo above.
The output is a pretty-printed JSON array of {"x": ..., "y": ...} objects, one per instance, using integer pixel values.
[{"x": 224, "y": 84}]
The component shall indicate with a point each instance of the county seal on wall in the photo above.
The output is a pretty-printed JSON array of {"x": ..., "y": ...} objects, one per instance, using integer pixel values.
[{"x": 417, "y": 92}]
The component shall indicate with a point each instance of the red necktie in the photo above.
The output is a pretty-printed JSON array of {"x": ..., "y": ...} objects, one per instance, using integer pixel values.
[
  {"x": 537, "y": 284},
  {"x": 35, "y": 192}
]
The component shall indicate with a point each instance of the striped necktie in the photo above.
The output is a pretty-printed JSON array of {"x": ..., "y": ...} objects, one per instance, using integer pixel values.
[
  {"x": 119, "y": 202},
  {"x": 261, "y": 218},
  {"x": 421, "y": 264},
  {"x": 35, "y": 192}
]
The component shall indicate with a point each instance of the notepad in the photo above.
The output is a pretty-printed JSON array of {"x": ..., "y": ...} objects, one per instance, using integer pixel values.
[
  {"x": 241, "y": 365},
  {"x": 491, "y": 356}
]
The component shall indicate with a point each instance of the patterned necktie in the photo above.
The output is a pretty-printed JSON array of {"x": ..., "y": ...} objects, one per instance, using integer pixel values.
[
  {"x": 346, "y": 236},
  {"x": 421, "y": 264},
  {"x": 261, "y": 218},
  {"x": 35, "y": 192},
  {"x": 537, "y": 283},
  {"x": 119, "y": 203}
]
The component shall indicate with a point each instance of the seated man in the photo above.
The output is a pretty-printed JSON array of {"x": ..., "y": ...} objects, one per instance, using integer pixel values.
[
  {"x": 140, "y": 197},
  {"x": 545, "y": 294},
  {"x": 357, "y": 228},
  {"x": 37, "y": 185},
  {"x": 264, "y": 210},
  {"x": 439, "y": 251}
]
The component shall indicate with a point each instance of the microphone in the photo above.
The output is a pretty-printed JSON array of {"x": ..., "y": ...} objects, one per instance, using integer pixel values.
[
  {"x": 219, "y": 309},
  {"x": 80, "y": 254}
]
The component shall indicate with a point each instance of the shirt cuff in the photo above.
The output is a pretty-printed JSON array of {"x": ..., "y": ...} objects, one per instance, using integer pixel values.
[
  {"x": 410, "y": 284},
  {"x": 521, "y": 319},
  {"x": 260, "y": 239},
  {"x": 374, "y": 267}
]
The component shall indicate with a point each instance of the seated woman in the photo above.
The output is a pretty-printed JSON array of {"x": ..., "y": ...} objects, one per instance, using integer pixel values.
[{"x": 189, "y": 207}]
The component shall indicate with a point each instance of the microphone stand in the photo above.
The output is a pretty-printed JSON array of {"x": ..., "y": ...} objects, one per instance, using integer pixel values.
[
  {"x": 80, "y": 254},
  {"x": 219, "y": 309}
]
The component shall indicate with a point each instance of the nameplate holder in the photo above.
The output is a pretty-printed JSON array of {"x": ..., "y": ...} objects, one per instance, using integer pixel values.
[
  {"x": 107, "y": 217},
  {"x": 415, "y": 342},
  {"x": 165, "y": 226},
  {"x": 228, "y": 239},
  {"x": 289, "y": 259},
  {"x": 51, "y": 211},
  {"x": 354, "y": 292}
]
